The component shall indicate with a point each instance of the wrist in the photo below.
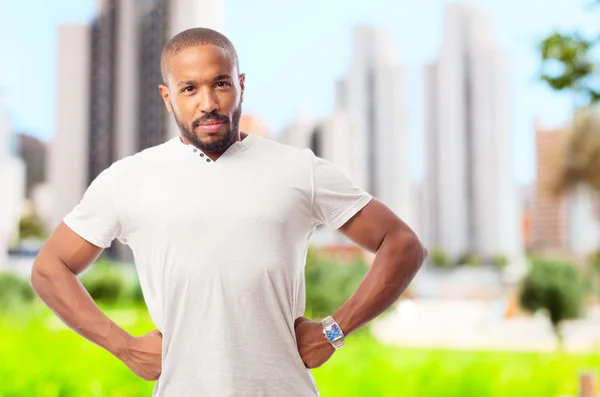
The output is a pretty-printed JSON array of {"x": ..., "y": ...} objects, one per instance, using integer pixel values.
[
  {"x": 119, "y": 342},
  {"x": 332, "y": 332}
]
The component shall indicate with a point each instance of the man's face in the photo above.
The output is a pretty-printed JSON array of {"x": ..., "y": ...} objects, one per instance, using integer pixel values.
[{"x": 204, "y": 94}]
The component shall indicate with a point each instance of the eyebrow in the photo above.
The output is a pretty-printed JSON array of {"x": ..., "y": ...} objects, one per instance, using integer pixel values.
[
  {"x": 192, "y": 82},
  {"x": 222, "y": 77}
]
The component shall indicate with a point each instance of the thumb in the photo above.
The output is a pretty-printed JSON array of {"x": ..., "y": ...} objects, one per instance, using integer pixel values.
[
  {"x": 299, "y": 320},
  {"x": 156, "y": 332}
]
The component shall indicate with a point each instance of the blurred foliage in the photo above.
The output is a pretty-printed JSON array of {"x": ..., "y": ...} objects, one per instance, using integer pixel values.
[
  {"x": 593, "y": 276},
  {"x": 31, "y": 226},
  {"x": 15, "y": 292},
  {"x": 556, "y": 288},
  {"x": 329, "y": 283},
  {"x": 31, "y": 345},
  {"x": 439, "y": 259},
  {"x": 105, "y": 282},
  {"x": 468, "y": 259},
  {"x": 570, "y": 63},
  {"x": 499, "y": 261},
  {"x": 581, "y": 165}
]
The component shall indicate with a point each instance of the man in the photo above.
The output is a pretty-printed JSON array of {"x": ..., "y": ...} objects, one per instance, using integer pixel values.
[{"x": 219, "y": 222}]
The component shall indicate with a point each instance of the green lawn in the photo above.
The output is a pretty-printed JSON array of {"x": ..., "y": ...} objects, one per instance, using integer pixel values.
[{"x": 40, "y": 358}]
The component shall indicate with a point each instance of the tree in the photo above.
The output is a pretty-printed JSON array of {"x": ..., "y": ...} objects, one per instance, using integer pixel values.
[
  {"x": 569, "y": 63},
  {"x": 556, "y": 288}
]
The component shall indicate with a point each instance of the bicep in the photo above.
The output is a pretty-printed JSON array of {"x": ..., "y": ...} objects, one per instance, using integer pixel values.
[
  {"x": 369, "y": 226},
  {"x": 66, "y": 247}
]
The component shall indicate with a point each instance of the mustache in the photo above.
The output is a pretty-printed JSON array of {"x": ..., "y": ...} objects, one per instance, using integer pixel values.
[{"x": 210, "y": 117}]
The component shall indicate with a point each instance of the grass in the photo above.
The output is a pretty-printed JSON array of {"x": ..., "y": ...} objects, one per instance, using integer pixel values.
[{"x": 41, "y": 358}]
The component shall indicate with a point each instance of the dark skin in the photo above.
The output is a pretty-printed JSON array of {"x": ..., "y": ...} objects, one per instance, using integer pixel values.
[{"x": 201, "y": 80}]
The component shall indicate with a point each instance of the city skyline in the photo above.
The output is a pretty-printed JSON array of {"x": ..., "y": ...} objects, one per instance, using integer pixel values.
[{"x": 517, "y": 33}]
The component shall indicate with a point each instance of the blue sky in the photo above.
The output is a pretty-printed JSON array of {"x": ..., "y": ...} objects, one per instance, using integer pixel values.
[{"x": 292, "y": 52}]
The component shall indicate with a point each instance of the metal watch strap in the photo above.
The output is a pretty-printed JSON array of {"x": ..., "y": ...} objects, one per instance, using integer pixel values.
[{"x": 327, "y": 321}]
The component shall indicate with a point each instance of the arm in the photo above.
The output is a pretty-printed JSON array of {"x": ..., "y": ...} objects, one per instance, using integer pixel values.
[
  {"x": 54, "y": 278},
  {"x": 398, "y": 257}
]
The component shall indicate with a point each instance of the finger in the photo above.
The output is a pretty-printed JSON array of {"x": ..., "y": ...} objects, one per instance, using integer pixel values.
[{"x": 299, "y": 320}]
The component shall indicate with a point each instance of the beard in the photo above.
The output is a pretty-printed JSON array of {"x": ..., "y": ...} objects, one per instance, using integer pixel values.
[{"x": 216, "y": 146}]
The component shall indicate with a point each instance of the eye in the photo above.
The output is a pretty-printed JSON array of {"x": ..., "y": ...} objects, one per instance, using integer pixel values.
[
  {"x": 189, "y": 88},
  {"x": 222, "y": 84}
]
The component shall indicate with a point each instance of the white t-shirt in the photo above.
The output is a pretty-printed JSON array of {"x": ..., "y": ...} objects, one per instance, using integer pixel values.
[{"x": 220, "y": 250}]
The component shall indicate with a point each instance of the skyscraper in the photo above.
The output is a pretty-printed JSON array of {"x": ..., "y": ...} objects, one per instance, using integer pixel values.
[
  {"x": 471, "y": 194},
  {"x": 372, "y": 98},
  {"x": 550, "y": 210},
  {"x": 68, "y": 161}
]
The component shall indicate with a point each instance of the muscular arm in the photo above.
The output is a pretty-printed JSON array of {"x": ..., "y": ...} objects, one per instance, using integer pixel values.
[
  {"x": 398, "y": 257},
  {"x": 54, "y": 279}
]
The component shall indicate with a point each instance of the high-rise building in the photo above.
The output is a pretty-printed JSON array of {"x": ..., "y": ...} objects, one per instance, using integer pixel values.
[
  {"x": 372, "y": 97},
  {"x": 562, "y": 222},
  {"x": 68, "y": 161},
  {"x": 550, "y": 209},
  {"x": 472, "y": 196}
]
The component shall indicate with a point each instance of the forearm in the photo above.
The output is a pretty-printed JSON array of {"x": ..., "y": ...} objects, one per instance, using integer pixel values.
[
  {"x": 396, "y": 263},
  {"x": 60, "y": 289}
]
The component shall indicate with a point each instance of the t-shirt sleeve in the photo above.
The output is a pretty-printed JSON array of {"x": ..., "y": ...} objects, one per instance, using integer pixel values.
[
  {"x": 336, "y": 199},
  {"x": 95, "y": 218}
]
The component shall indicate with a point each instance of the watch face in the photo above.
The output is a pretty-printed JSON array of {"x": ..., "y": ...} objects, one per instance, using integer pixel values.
[{"x": 333, "y": 332}]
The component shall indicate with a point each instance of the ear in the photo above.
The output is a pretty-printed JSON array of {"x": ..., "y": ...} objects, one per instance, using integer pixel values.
[
  {"x": 242, "y": 85},
  {"x": 164, "y": 93}
]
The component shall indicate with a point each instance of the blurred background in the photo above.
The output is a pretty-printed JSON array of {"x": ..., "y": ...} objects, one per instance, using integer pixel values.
[{"x": 476, "y": 122}]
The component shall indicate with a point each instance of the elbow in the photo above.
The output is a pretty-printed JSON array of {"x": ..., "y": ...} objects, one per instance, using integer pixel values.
[
  {"x": 40, "y": 272},
  {"x": 418, "y": 250},
  {"x": 409, "y": 246},
  {"x": 35, "y": 274}
]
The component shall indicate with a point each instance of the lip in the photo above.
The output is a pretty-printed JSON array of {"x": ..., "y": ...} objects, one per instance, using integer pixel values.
[{"x": 212, "y": 127}]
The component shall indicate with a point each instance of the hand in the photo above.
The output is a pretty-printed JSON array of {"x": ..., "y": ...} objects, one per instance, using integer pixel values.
[
  {"x": 143, "y": 355},
  {"x": 312, "y": 345}
]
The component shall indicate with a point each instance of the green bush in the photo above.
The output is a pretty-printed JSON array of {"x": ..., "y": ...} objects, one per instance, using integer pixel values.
[
  {"x": 136, "y": 294},
  {"x": 555, "y": 287},
  {"x": 468, "y": 259},
  {"x": 438, "y": 258},
  {"x": 499, "y": 262},
  {"x": 330, "y": 283},
  {"x": 105, "y": 283},
  {"x": 15, "y": 291},
  {"x": 31, "y": 226}
]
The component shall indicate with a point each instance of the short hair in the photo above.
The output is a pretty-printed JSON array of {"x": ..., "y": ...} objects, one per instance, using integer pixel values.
[{"x": 195, "y": 37}]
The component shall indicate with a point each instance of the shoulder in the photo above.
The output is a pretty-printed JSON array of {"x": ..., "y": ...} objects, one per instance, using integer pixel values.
[
  {"x": 144, "y": 161},
  {"x": 278, "y": 151}
]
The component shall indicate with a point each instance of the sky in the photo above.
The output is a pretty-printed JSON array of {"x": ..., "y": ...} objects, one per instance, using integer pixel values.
[{"x": 293, "y": 52}]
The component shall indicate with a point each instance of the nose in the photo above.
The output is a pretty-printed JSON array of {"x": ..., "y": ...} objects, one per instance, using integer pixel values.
[{"x": 208, "y": 101}]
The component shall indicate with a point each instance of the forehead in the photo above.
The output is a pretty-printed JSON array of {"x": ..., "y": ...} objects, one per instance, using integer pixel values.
[{"x": 199, "y": 62}]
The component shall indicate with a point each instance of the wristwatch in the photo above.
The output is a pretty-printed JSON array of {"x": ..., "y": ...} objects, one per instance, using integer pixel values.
[{"x": 333, "y": 332}]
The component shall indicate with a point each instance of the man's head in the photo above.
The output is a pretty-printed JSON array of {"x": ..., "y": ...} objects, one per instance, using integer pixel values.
[{"x": 203, "y": 88}]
